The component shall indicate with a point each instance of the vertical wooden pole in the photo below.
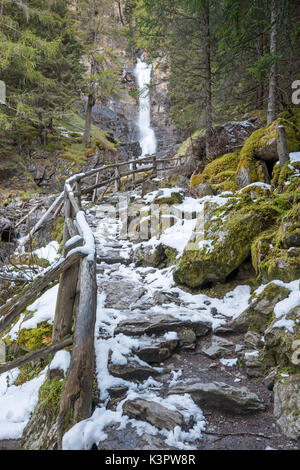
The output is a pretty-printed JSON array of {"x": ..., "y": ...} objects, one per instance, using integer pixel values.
[
  {"x": 118, "y": 180},
  {"x": 154, "y": 165},
  {"x": 67, "y": 289},
  {"x": 76, "y": 400},
  {"x": 78, "y": 189},
  {"x": 133, "y": 174},
  {"x": 283, "y": 152},
  {"x": 95, "y": 190}
]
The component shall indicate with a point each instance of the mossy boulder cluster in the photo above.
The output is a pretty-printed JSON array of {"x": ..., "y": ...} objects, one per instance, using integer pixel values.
[{"x": 255, "y": 161}]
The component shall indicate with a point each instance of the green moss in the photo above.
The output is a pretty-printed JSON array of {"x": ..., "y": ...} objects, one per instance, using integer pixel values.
[
  {"x": 35, "y": 338},
  {"x": 250, "y": 168},
  {"x": 218, "y": 171},
  {"x": 174, "y": 198},
  {"x": 29, "y": 371},
  {"x": 50, "y": 394},
  {"x": 57, "y": 232},
  {"x": 230, "y": 242}
]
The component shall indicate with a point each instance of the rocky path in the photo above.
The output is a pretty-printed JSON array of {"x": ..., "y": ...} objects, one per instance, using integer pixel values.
[{"x": 166, "y": 380}]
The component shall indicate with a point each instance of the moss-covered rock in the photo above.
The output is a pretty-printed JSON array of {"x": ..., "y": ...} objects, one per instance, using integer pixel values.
[
  {"x": 259, "y": 313},
  {"x": 41, "y": 431},
  {"x": 261, "y": 146},
  {"x": 276, "y": 253},
  {"x": 287, "y": 405},
  {"x": 279, "y": 342},
  {"x": 168, "y": 197},
  {"x": 218, "y": 171},
  {"x": 159, "y": 257},
  {"x": 222, "y": 241}
]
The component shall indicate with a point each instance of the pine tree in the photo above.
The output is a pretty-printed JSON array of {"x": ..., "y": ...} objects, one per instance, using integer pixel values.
[
  {"x": 39, "y": 63},
  {"x": 95, "y": 27}
]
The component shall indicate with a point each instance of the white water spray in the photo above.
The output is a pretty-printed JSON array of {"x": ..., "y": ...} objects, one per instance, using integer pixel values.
[{"x": 147, "y": 140}]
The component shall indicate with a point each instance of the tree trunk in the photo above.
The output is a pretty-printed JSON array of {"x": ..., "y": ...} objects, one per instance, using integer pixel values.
[
  {"x": 260, "y": 50},
  {"x": 283, "y": 152},
  {"x": 273, "y": 51},
  {"x": 208, "y": 105},
  {"x": 88, "y": 121}
]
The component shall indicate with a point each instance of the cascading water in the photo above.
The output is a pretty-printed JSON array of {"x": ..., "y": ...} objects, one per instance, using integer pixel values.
[{"x": 147, "y": 140}]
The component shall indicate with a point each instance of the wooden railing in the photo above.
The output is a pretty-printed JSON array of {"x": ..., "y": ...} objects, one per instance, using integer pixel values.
[{"x": 77, "y": 295}]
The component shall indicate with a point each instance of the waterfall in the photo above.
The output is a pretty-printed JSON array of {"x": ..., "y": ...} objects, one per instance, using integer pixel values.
[{"x": 147, "y": 140}]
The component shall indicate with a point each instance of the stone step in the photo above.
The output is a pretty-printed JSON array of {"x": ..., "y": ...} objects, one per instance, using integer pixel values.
[
  {"x": 221, "y": 396},
  {"x": 159, "y": 324},
  {"x": 154, "y": 413}
]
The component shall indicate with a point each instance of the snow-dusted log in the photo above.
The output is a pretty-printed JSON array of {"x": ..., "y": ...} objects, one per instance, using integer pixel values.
[{"x": 38, "y": 354}]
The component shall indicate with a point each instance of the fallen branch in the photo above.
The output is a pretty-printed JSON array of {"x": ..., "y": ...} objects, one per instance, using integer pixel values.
[
  {"x": 41, "y": 221},
  {"x": 38, "y": 354}
]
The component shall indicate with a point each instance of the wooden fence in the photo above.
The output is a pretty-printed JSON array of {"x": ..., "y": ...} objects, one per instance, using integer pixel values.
[{"x": 77, "y": 295}]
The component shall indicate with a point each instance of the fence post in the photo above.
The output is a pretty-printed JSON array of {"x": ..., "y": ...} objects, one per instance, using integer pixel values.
[
  {"x": 118, "y": 180},
  {"x": 133, "y": 169},
  {"x": 283, "y": 152},
  {"x": 154, "y": 160},
  {"x": 78, "y": 190},
  {"x": 67, "y": 288}
]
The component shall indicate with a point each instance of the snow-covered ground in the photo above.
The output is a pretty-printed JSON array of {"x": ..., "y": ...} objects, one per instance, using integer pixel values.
[{"x": 18, "y": 402}]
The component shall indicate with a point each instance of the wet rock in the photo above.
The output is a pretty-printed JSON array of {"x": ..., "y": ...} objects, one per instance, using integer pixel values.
[
  {"x": 157, "y": 352},
  {"x": 287, "y": 405},
  {"x": 159, "y": 324},
  {"x": 133, "y": 371},
  {"x": 261, "y": 307},
  {"x": 153, "y": 413},
  {"x": 222, "y": 396},
  {"x": 217, "y": 347}
]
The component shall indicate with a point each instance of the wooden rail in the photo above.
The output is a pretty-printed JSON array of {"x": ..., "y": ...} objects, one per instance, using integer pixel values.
[{"x": 77, "y": 294}]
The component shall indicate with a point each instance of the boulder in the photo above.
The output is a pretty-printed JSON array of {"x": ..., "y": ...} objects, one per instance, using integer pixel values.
[
  {"x": 287, "y": 405},
  {"x": 153, "y": 413},
  {"x": 221, "y": 396},
  {"x": 133, "y": 371},
  {"x": 279, "y": 341},
  {"x": 160, "y": 256},
  {"x": 160, "y": 324},
  {"x": 158, "y": 351},
  {"x": 220, "y": 243},
  {"x": 261, "y": 307},
  {"x": 276, "y": 255}
]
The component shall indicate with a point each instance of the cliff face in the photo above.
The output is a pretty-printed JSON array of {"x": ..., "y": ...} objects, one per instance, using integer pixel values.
[{"x": 168, "y": 136}]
